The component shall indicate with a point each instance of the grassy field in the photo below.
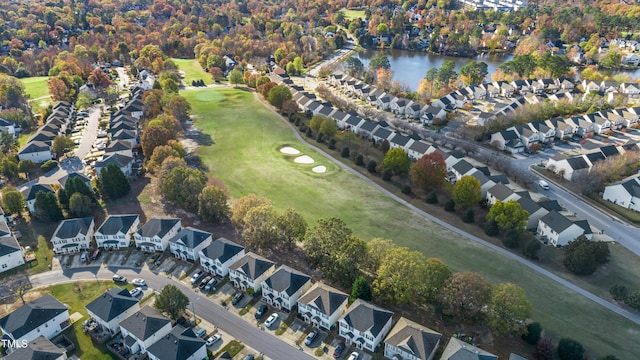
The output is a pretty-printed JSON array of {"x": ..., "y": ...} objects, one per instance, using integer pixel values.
[
  {"x": 193, "y": 71},
  {"x": 77, "y": 295},
  {"x": 37, "y": 89},
  {"x": 245, "y": 155},
  {"x": 352, "y": 14}
]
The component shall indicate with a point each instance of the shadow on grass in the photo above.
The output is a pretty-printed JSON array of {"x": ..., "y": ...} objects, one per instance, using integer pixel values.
[{"x": 129, "y": 204}]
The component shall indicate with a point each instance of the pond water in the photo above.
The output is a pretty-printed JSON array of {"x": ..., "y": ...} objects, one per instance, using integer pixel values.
[{"x": 409, "y": 67}]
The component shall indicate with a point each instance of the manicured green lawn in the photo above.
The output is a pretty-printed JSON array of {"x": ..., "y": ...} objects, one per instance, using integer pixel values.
[
  {"x": 353, "y": 14},
  {"x": 245, "y": 155},
  {"x": 77, "y": 295},
  {"x": 37, "y": 89},
  {"x": 193, "y": 71}
]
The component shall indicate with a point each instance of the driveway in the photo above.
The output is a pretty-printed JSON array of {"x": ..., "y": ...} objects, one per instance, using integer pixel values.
[{"x": 90, "y": 133}]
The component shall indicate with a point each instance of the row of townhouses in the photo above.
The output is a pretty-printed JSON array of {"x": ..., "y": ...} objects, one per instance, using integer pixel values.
[
  {"x": 567, "y": 165},
  {"x": 496, "y": 5},
  {"x": 519, "y": 138},
  {"x": 38, "y": 147}
]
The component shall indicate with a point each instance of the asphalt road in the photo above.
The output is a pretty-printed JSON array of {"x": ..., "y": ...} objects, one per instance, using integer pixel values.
[
  {"x": 616, "y": 309},
  {"x": 229, "y": 321},
  {"x": 90, "y": 133},
  {"x": 617, "y": 229}
]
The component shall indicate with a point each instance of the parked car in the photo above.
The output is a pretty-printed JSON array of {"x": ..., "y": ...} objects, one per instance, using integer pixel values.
[
  {"x": 119, "y": 278},
  {"x": 339, "y": 350},
  {"x": 312, "y": 336},
  {"x": 196, "y": 277},
  {"x": 249, "y": 357},
  {"x": 354, "y": 356},
  {"x": 201, "y": 332},
  {"x": 136, "y": 292},
  {"x": 271, "y": 320},
  {"x": 211, "y": 285},
  {"x": 204, "y": 282},
  {"x": 96, "y": 254},
  {"x": 139, "y": 282},
  {"x": 261, "y": 311},
  {"x": 236, "y": 299},
  {"x": 212, "y": 340},
  {"x": 84, "y": 257}
]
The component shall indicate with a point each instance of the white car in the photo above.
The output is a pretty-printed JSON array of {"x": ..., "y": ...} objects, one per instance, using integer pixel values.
[
  {"x": 354, "y": 356},
  {"x": 271, "y": 320},
  {"x": 212, "y": 340},
  {"x": 139, "y": 282},
  {"x": 136, "y": 292}
]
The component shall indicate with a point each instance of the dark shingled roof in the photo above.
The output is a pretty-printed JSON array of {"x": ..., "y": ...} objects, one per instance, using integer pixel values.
[
  {"x": 191, "y": 237},
  {"x": 577, "y": 163},
  {"x": 529, "y": 205},
  {"x": 31, "y": 316},
  {"x": 324, "y": 298},
  {"x": 462, "y": 167},
  {"x": 500, "y": 192},
  {"x": 72, "y": 227},
  {"x": 111, "y": 304},
  {"x": 551, "y": 205},
  {"x": 287, "y": 280},
  {"x": 39, "y": 348},
  {"x": 8, "y": 243},
  {"x": 368, "y": 125},
  {"x": 556, "y": 221},
  {"x": 222, "y": 249},
  {"x": 413, "y": 338},
  {"x": 632, "y": 186},
  {"x": 252, "y": 265},
  {"x": 158, "y": 226},
  {"x": 117, "y": 223},
  {"x": 145, "y": 322},
  {"x": 365, "y": 316},
  {"x": 180, "y": 344}
]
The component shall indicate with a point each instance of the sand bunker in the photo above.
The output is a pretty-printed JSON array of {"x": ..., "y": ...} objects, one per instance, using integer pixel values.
[
  {"x": 289, "y": 150},
  {"x": 319, "y": 169},
  {"x": 304, "y": 159}
]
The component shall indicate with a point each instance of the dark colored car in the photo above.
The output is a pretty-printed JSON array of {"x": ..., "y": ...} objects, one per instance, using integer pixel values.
[
  {"x": 261, "y": 311},
  {"x": 236, "y": 299},
  {"x": 211, "y": 285},
  {"x": 204, "y": 282},
  {"x": 339, "y": 350}
]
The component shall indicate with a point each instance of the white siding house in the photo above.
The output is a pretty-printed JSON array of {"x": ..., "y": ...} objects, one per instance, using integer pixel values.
[
  {"x": 322, "y": 305},
  {"x": 283, "y": 288},
  {"x": 625, "y": 193},
  {"x": 250, "y": 271},
  {"x": 557, "y": 229},
  {"x": 408, "y": 340},
  {"x": 73, "y": 235},
  {"x": 188, "y": 243},
  {"x": 365, "y": 325},
  {"x": 45, "y": 316},
  {"x": 154, "y": 235},
  {"x": 219, "y": 255},
  {"x": 113, "y": 306},
  {"x": 142, "y": 329},
  {"x": 117, "y": 231}
]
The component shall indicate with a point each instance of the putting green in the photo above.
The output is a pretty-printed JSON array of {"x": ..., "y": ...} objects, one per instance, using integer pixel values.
[{"x": 209, "y": 96}]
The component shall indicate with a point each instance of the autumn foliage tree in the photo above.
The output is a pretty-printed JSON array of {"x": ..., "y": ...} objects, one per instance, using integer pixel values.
[
  {"x": 153, "y": 137},
  {"x": 508, "y": 309},
  {"x": 508, "y": 215},
  {"x": 397, "y": 160},
  {"x": 429, "y": 172},
  {"x": 467, "y": 191},
  {"x": 465, "y": 295}
]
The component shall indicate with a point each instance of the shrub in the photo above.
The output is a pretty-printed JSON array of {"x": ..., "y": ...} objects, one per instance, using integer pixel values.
[
  {"x": 387, "y": 174},
  {"x": 468, "y": 216},
  {"x": 359, "y": 160},
  {"x": 544, "y": 350},
  {"x": 345, "y": 152},
  {"x": 569, "y": 349},
  {"x": 309, "y": 132},
  {"x": 511, "y": 239},
  {"x": 633, "y": 300},
  {"x": 371, "y": 166},
  {"x": 48, "y": 165},
  {"x": 450, "y": 205},
  {"x": 531, "y": 249},
  {"x": 491, "y": 228},
  {"x": 332, "y": 144},
  {"x": 406, "y": 189},
  {"x": 618, "y": 292},
  {"x": 534, "y": 330},
  {"x": 320, "y": 137}
]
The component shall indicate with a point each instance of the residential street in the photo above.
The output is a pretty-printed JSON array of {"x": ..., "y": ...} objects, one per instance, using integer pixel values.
[
  {"x": 618, "y": 310},
  {"x": 229, "y": 321}
]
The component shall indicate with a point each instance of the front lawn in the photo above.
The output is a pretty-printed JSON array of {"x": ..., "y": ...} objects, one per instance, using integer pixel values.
[
  {"x": 245, "y": 154},
  {"x": 76, "y": 295}
]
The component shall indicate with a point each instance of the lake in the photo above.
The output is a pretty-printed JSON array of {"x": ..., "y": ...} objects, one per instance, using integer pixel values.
[{"x": 409, "y": 67}]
